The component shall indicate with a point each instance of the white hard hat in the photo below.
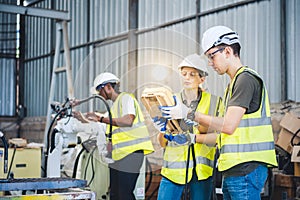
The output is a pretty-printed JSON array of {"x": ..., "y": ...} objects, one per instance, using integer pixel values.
[
  {"x": 195, "y": 61},
  {"x": 103, "y": 79},
  {"x": 217, "y": 35}
]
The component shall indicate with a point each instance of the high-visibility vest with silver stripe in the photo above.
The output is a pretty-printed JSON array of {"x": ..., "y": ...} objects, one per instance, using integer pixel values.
[
  {"x": 175, "y": 156},
  {"x": 253, "y": 139},
  {"x": 126, "y": 140}
]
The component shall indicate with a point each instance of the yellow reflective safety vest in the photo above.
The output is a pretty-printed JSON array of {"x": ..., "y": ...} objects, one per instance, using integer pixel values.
[
  {"x": 253, "y": 139},
  {"x": 126, "y": 140},
  {"x": 175, "y": 156}
]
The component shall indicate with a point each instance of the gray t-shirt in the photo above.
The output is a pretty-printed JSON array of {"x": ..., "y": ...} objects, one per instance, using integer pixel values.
[{"x": 246, "y": 93}]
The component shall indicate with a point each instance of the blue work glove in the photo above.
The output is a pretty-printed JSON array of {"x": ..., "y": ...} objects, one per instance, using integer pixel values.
[
  {"x": 178, "y": 111},
  {"x": 169, "y": 137},
  {"x": 184, "y": 139},
  {"x": 160, "y": 124},
  {"x": 190, "y": 122}
]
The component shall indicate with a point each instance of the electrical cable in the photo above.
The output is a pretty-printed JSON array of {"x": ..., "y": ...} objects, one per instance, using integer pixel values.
[
  {"x": 93, "y": 167},
  {"x": 60, "y": 112},
  {"x": 11, "y": 162},
  {"x": 86, "y": 166},
  {"x": 52, "y": 141},
  {"x": 76, "y": 163},
  {"x": 187, "y": 173},
  {"x": 90, "y": 159},
  {"x": 106, "y": 106},
  {"x": 109, "y": 115},
  {"x": 48, "y": 138}
]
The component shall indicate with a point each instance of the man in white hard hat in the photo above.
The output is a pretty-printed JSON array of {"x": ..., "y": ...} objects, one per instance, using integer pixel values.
[
  {"x": 130, "y": 137},
  {"x": 179, "y": 149},
  {"x": 246, "y": 141}
]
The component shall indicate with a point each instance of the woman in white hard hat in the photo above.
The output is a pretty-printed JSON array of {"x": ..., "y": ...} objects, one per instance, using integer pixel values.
[
  {"x": 200, "y": 157},
  {"x": 246, "y": 141},
  {"x": 130, "y": 136}
]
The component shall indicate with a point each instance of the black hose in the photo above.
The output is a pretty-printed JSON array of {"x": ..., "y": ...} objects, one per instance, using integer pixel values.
[
  {"x": 93, "y": 167},
  {"x": 76, "y": 163},
  {"x": 86, "y": 166},
  {"x": 48, "y": 138},
  {"x": 107, "y": 108},
  {"x": 109, "y": 115},
  {"x": 52, "y": 142}
]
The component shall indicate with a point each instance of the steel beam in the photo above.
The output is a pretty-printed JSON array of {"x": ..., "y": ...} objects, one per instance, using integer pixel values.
[
  {"x": 132, "y": 46},
  {"x": 38, "y": 12}
]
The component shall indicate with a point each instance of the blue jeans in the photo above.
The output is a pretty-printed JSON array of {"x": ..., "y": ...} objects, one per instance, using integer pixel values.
[
  {"x": 245, "y": 187},
  {"x": 200, "y": 190}
]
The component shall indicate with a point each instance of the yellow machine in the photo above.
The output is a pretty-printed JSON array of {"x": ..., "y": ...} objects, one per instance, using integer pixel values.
[{"x": 26, "y": 163}]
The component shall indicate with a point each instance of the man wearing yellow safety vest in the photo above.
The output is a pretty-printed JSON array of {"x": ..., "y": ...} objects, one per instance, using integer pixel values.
[
  {"x": 130, "y": 136},
  {"x": 246, "y": 141},
  {"x": 188, "y": 162}
]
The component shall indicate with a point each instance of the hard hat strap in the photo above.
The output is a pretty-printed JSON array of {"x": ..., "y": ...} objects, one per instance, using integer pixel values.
[{"x": 228, "y": 38}]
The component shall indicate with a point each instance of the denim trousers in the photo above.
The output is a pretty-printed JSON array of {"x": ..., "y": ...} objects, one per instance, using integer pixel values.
[
  {"x": 246, "y": 187},
  {"x": 200, "y": 190}
]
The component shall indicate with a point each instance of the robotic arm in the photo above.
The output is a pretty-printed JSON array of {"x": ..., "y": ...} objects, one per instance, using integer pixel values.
[{"x": 64, "y": 134}]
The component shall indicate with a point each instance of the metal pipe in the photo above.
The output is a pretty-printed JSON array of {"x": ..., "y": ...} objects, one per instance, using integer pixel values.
[{"x": 283, "y": 50}]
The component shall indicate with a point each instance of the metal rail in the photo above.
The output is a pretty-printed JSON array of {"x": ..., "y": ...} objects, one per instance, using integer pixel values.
[{"x": 38, "y": 12}]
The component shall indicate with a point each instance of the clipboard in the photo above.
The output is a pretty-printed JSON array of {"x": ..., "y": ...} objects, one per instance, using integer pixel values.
[{"x": 152, "y": 98}]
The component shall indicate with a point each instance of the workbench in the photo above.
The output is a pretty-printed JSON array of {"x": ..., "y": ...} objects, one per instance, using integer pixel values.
[{"x": 46, "y": 188}]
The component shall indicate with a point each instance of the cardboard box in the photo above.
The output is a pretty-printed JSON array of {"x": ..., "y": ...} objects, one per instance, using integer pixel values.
[
  {"x": 152, "y": 98},
  {"x": 285, "y": 186},
  {"x": 290, "y": 125},
  {"x": 296, "y": 160}
]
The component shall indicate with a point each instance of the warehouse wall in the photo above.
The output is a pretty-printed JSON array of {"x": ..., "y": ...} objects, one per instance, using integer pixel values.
[
  {"x": 99, "y": 41},
  {"x": 163, "y": 26},
  {"x": 258, "y": 25},
  {"x": 293, "y": 49},
  {"x": 8, "y": 82},
  {"x": 8, "y": 62},
  {"x": 91, "y": 21}
]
